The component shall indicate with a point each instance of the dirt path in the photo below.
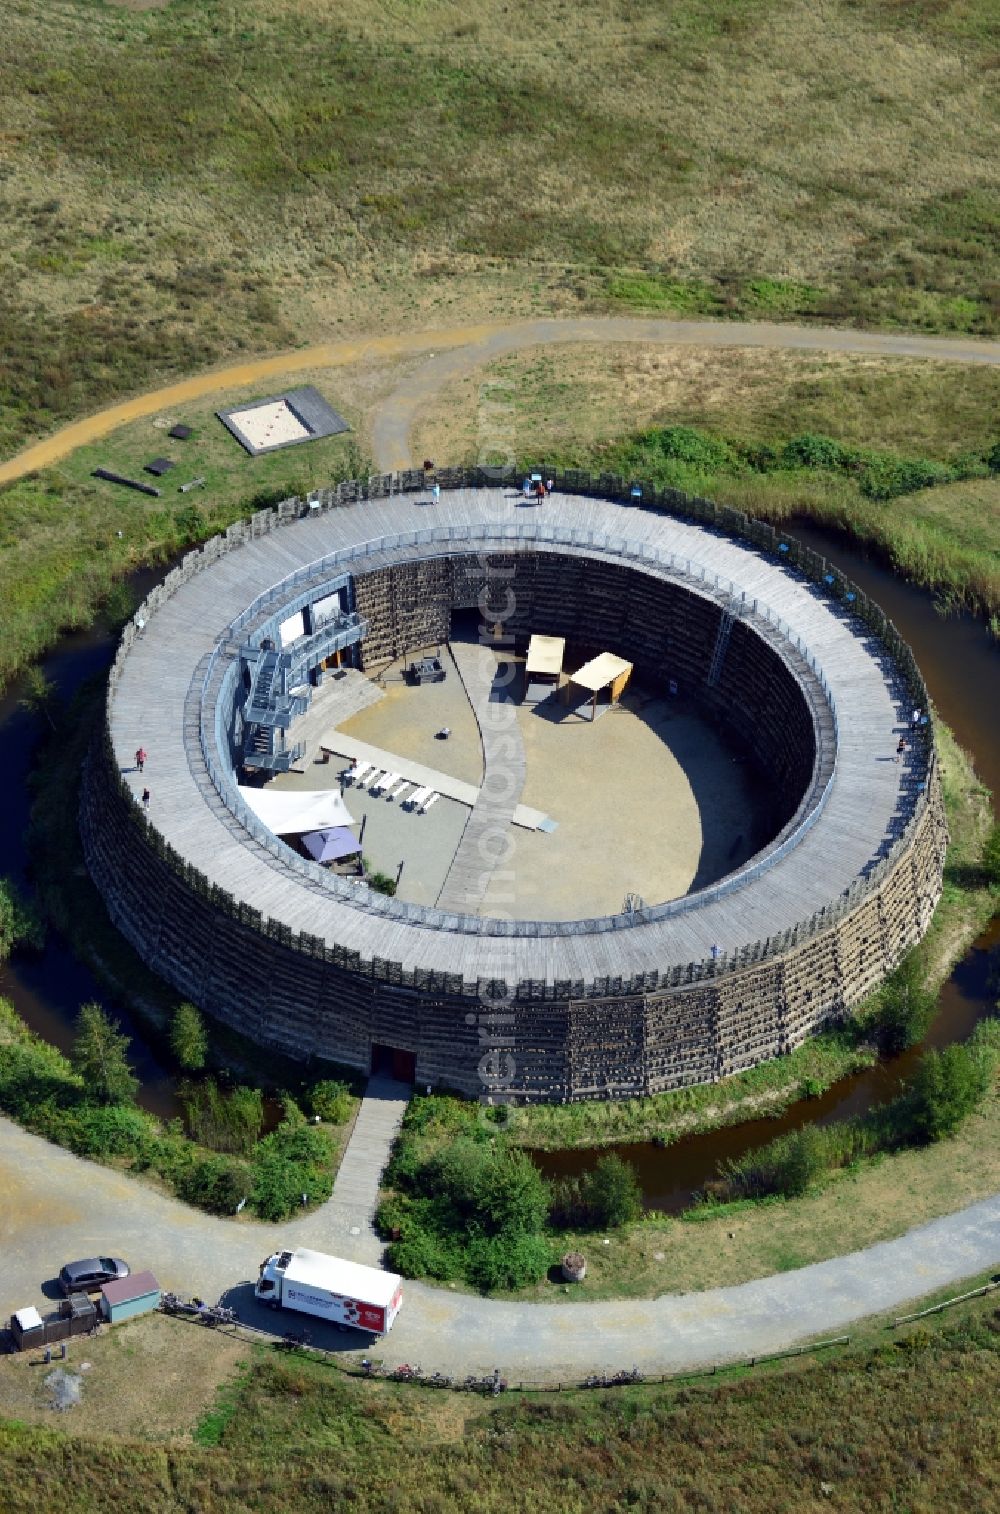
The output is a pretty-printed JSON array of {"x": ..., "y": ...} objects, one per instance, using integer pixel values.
[{"x": 457, "y": 349}]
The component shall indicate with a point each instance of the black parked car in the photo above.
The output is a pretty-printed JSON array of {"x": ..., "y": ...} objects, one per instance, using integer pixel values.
[{"x": 90, "y": 1274}]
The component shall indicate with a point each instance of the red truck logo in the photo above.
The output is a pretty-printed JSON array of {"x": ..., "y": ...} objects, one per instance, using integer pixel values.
[{"x": 351, "y": 1311}]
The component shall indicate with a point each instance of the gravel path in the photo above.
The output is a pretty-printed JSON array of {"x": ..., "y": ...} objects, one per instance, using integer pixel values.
[
  {"x": 395, "y": 417},
  {"x": 470, "y": 345},
  {"x": 56, "y": 1207}
]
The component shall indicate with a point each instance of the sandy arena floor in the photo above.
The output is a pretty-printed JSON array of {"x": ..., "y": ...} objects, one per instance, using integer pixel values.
[{"x": 647, "y": 800}]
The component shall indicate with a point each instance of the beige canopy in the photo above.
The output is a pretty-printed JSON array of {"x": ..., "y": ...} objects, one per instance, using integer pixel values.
[
  {"x": 545, "y": 655},
  {"x": 602, "y": 670}
]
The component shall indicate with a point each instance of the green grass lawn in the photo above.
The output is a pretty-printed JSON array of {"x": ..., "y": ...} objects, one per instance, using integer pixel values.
[{"x": 65, "y": 536}]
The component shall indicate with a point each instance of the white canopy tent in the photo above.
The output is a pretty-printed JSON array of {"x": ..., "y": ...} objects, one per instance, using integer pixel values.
[{"x": 289, "y": 813}]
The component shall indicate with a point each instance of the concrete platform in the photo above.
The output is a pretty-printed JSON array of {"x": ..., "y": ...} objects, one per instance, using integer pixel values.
[{"x": 342, "y": 745}]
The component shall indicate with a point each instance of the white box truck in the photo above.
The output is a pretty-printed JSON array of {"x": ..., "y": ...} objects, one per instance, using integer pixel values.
[{"x": 327, "y": 1287}]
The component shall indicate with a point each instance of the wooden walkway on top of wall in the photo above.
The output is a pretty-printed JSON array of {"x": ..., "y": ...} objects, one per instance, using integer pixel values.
[{"x": 861, "y": 814}]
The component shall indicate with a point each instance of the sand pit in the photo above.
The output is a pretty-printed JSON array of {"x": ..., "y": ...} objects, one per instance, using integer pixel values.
[
  {"x": 273, "y": 425},
  {"x": 283, "y": 420}
]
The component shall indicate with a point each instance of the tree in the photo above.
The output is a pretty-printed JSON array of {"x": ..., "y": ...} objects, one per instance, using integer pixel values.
[
  {"x": 946, "y": 1087},
  {"x": 39, "y": 694},
  {"x": 612, "y": 1192},
  {"x": 189, "y": 1038},
  {"x": 905, "y": 1007},
  {"x": 508, "y": 1191},
  {"x": 99, "y": 1052}
]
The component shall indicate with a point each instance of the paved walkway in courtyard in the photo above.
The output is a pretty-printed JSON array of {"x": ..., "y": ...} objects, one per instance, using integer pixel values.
[
  {"x": 55, "y": 1206},
  {"x": 484, "y": 849},
  {"x": 339, "y": 744}
]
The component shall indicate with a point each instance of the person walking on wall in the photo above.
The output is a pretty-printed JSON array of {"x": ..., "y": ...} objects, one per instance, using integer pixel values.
[
  {"x": 145, "y": 799},
  {"x": 140, "y": 758}
]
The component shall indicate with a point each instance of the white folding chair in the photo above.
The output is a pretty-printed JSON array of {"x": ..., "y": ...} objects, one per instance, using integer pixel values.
[{"x": 432, "y": 798}]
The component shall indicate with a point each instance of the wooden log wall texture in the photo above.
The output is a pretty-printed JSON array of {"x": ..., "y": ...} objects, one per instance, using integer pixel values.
[{"x": 558, "y": 1043}]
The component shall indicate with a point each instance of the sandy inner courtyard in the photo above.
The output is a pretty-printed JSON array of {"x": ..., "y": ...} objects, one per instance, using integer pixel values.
[
  {"x": 648, "y": 800},
  {"x": 270, "y": 425}
]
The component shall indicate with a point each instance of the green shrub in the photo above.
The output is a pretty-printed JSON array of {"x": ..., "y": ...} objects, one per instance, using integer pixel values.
[
  {"x": 331, "y": 1100},
  {"x": 291, "y": 1113},
  {"x": 189, "y": 1038},
  {"x": 946, "y": 1088},
  {"x": 218, "y": 1184},
  {"x": 474, "y": 1207},
  {"x": 31, "y": 1074},
  {"x": 20, "y": 925},
  {"x": 613, "y": 1192},
  {"x": 505, "y": 1262},
  {"x": 228, "y": 1122},
  {"x": 293, "y": 1160},
  {"x": 684, "y": 444},
  {"x": 106, "y": 1130},
  {"x": 788, "y": 1165},
  {"x": 606, "y": 1196},
  {"x": 904, "y": 1008},
  {"x": 424, "y": 1252},
  {"x": 490, "y": 1185},
  {"x": 812, "y": 451},
  {"x": 884, "y": 476}
]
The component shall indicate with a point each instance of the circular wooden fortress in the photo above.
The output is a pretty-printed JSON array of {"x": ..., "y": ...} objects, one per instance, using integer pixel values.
[{"x": 803, "y": 672}]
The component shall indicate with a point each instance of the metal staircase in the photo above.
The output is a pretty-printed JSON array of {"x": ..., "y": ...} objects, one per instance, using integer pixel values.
[{"x": 279, "y": 683}]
